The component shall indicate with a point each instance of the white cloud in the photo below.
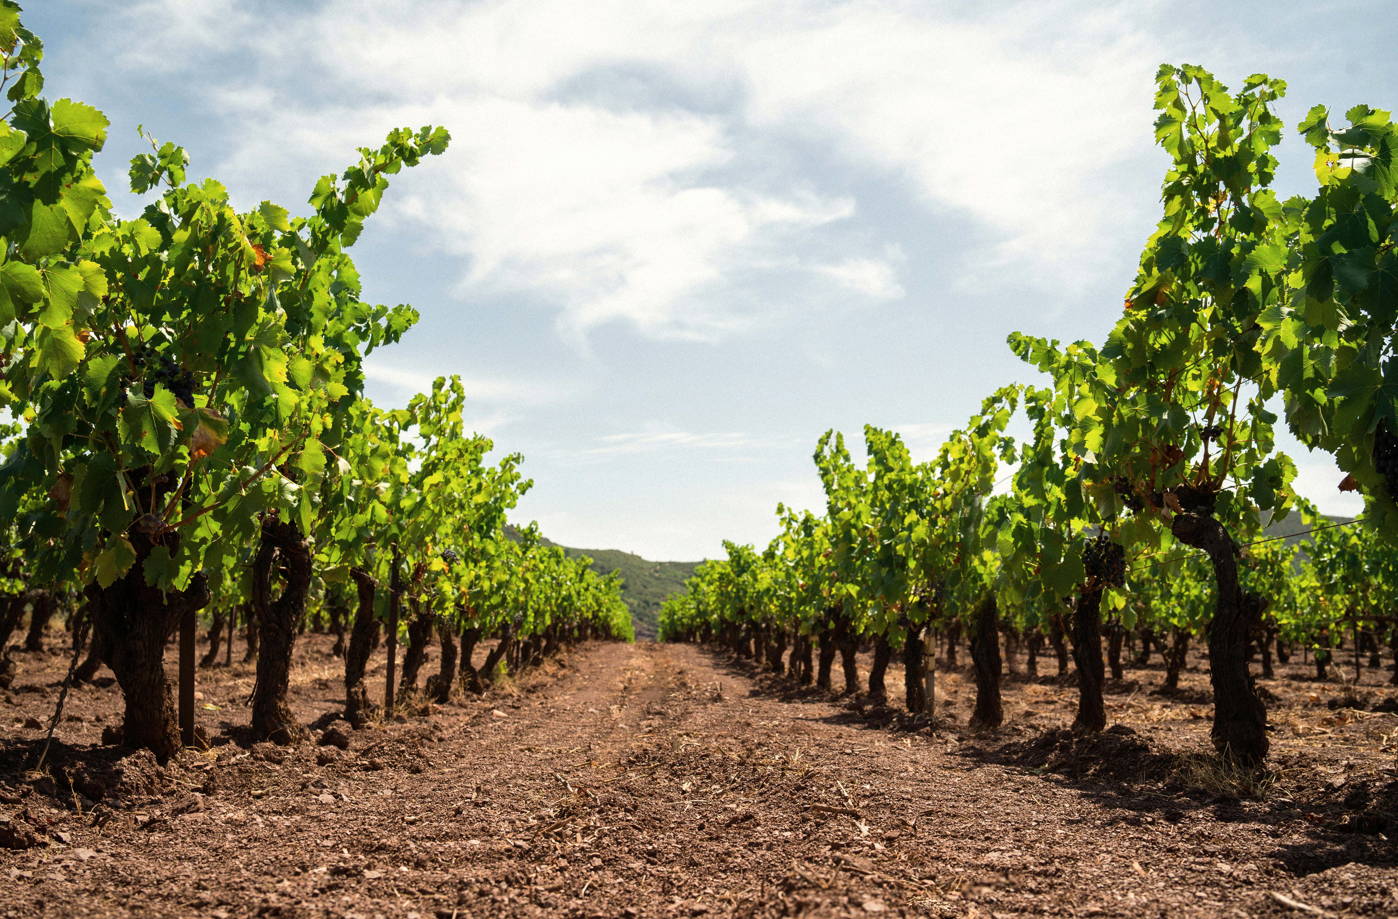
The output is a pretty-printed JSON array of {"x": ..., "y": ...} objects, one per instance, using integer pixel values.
[
  {"x": 674, "y": 523},
  {"x": 488, "y": 390},
  {"x": 875, "y": 278},
  {"x": 1011, "y": 119},
  {"x": 655, "y": 215},
  {"x": 651, "y": 441},
  {"x": 166, "y": 35}
]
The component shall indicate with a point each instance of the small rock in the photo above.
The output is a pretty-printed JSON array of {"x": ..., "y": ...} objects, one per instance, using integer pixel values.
[
  {"x": 327, "y": 757},
  {"x": 33, "y": 724},
  {"x": 872, "y": 905},
  {"x": 325, "y": 798},
  {"x": 334, "y": 737}
]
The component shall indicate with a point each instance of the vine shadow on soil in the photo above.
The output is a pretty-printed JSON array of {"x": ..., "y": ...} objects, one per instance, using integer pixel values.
[{"x": 1118, "y": 770}]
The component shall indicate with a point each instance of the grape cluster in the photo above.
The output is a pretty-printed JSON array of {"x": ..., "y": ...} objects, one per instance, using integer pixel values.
[
  {"x": 1212, "y": 432},
  {"x": 1386, "y": 458},
  {"x": 162, "y": 369},
  {"x": 450, "y": 557},
  {"x": 1122, "y": 486},
  {"x": 1104, "y": 560}
]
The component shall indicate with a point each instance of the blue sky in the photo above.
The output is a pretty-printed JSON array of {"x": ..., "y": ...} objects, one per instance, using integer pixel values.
[{"x": 673, "y": 243}]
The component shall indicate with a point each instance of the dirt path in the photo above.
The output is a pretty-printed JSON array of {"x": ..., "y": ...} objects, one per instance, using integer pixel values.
[{"x": 657, "y": 780}]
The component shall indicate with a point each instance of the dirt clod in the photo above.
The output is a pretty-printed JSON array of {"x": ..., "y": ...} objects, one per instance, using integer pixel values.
[
  {"x": 334, "y": 737},
  {"x": 16, "y": 834}
]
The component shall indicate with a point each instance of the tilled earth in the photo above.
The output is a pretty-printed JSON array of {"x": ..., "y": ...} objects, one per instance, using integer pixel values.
[{"x": 665, "y": 780}]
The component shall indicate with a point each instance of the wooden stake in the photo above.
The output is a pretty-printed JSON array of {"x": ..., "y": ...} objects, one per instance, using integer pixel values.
[
  {"x": 393, "y": 600},
  {"x": 189, "y": 624}
]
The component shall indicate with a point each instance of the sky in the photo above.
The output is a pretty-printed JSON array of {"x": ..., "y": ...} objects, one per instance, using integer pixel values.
[{"x": 673, "y": 243}]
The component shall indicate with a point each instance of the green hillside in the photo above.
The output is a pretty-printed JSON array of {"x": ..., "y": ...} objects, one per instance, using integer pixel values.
[
  {"x": 1293, "y": 530},
  {"x": 645, "y": 584}
]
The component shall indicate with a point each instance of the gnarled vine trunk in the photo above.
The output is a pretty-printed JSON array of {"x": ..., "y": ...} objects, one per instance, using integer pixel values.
[
  {"x": 848, "y": 648},
  {"x": 283, "y": 552},
  {"x": 134, "y": 621},
  {"x": 826, "y": 659},
  {"x": 776, "y": 650},
  {"x": 1060, "y": 647},
  {"x": 470, "y": 677},
  {"x": 358, "y": 709},
  {"x": 913, "y": 676},
  {"x": 440, "y": 686},
  {"x": 41, "y": 609},
  {"x": 1115, "y": 636},
  {"x": 492, "y": 660},
  {"x": 1268, "y": 636},
  {"x": 1087, "y": 655},
  {"x": 1033, "y": 646},
  {"x": 210, "y": 658},
  {"x": 338, "y": 614},
  {"x": 883, "y": 653},
  {"x": 1240, "y": 717},
  {"x": 985, "y": 656},
  {"x": 419, "y": 634},
  {"x": 1175, "y": 658},
  {"x": 1147, "y": 638},
  {"x": 11, "y": 614},
  {"x": 92, "y": 663}
]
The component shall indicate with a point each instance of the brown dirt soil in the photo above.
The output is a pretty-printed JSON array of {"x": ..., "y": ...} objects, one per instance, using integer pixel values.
[{"x": 661, "y": 780}]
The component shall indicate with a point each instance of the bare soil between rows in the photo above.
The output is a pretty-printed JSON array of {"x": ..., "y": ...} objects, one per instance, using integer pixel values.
[{"x": 665, "y": 780}]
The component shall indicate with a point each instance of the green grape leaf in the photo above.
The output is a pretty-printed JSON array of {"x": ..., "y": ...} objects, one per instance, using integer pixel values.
[
  {"x": 98, "y": 373},
  {"x": 12, "y": 141},
  {"x": 60, "y": 351},
  {"x": 114, "y": 561},
  {"x": 312, "y": 458},
  {"x": 62, "y": 284},
  {"x": 80, "y": 123},
  {"x": 159, "y": 569},
  {"x": 49, "y": 231}
]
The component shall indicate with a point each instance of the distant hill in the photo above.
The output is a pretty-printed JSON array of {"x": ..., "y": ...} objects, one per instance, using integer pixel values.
[
  {"x": 645, "y": 584},
  {"x": 1293, "y": 530}
]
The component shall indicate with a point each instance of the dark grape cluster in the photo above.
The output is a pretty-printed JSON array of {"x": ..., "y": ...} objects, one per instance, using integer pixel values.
[
  {"x": 1386, "y": 458},
  {"x": 1212, "y": 432},
  {"x": 1104, "y": 560},
  {"x": 450, "y": 557},
  {"x": 1122, "y": 486},
  {"x": 156, "y": 368}
]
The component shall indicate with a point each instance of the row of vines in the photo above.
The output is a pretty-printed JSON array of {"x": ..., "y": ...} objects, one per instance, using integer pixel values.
[
  {"x": 1138, "y": 498},
  {"x": 187, "y": 434}
]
